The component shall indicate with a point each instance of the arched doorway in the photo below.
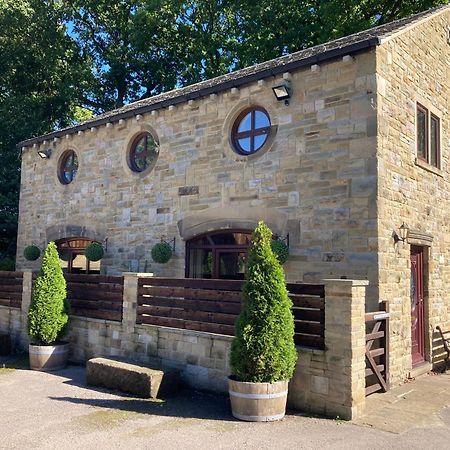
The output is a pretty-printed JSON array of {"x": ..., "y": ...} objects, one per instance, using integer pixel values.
[
  {"x": 71, "y": 256},
  {"x": 219, "y": 254}
]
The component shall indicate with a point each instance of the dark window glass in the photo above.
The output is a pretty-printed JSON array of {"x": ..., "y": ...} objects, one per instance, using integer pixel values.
[
  {"x": 71, "y": 256},
  {"x": 251, "y": 131},
  {"x": 68, "y": 167},
  {"x": 422, "y": 132},
  {"x": 143, "y": 153},
  {"x": 434, "y": 140},
  {"x": 218, "y": 255}
]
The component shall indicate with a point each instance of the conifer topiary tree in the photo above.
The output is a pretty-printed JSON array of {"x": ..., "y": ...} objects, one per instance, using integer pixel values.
[
  {"x": 48, "y": 313},
  {"x": 263, "y": 350}
]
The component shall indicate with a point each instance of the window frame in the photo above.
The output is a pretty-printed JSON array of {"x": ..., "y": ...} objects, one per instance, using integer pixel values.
[
  {"x": 132, "y": 152},
  {"x": 62, "y": 167},
  {"x": 74, "y": 251},
  {"x": 429, "y": 117},
  {"x": 437, "y": 150},
  {"x": 254, "y": 132}
]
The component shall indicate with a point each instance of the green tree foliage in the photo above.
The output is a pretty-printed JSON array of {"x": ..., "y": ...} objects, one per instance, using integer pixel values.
[
  {"x": 48, "y": 313},
  {"x": 41, "y": 79},
  {"x": 263, "y": 349},
  {"x": 62, "y": 60}
]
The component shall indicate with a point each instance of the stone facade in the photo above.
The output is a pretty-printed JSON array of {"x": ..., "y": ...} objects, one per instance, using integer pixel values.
[
  {"x": 339, "y": 175},
  {"x": 317, "y": 182},
  {"x": 413, "y": 67}
]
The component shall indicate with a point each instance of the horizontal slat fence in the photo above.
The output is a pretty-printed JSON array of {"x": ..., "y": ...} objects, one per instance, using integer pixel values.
[
  {"x": 11, "y": 287},
  {"x": 213, "y": 306},
  {"x": 308, "y": 308},
  {"x": 95, "y": 296}
]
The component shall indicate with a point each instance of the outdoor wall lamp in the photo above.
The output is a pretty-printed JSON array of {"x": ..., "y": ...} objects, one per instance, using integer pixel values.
[
  {"x": 402, "y": 233},
  {"x": 283, "y": 92},
  {"x": 45, "y": 154}
]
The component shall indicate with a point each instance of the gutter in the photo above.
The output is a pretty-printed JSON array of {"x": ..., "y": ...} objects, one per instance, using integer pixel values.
[{"x": 358, "y": 47}]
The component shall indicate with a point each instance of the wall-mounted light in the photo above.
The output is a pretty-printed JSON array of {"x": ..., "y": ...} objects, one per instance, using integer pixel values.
[
  {"x": 283, "y": 92},
  {"x": 402, "y": 234},
  {"x": 45, "y": 154}
]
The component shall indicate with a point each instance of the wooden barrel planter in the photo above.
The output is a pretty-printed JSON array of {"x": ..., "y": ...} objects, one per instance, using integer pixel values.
[
  {"x": 258, "y": 402},
  {"x": 48, "y": 357}
]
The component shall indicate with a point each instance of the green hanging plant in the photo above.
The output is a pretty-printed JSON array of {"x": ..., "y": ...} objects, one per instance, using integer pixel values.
[
  {"x": 32, "y": 252},
  {"x": 94, "y": 252},
  {"x": 161, "y": 252},
  {"x": 280, "y": 249}
]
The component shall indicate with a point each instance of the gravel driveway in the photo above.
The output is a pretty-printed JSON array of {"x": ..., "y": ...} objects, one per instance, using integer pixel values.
[{"x": 57, "y": 411}]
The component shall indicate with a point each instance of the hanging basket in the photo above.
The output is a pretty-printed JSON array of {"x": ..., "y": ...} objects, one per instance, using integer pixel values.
[
  {"x": 94, "y": 252},
  {"x": 280, "y": 249},
  {"x": 161, "y": 252},
  {"x": 32, "y": 252}
]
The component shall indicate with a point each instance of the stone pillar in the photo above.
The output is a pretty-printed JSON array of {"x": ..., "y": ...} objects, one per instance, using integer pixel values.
[
  {"x": 130, "y": 292},
  {"x": 25, "y": 306},
  {"x": 345, "y": 341}
]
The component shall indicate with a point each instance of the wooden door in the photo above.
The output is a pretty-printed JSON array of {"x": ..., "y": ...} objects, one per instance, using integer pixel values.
[{"x": 417, "y": 306}]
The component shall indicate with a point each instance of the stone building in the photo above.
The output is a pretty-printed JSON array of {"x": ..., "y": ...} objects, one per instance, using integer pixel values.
[{"x": 355, "y": 146}]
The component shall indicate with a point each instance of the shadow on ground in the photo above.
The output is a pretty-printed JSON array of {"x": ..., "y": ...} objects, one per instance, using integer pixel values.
[
  {"x": 186, "y": 404},
  {"x": 16, "y": 361}
]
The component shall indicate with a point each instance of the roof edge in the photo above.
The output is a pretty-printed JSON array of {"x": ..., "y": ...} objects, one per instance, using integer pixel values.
[
  {"x": 335, "y": 53},
  {"x": 432, "y": 14}
]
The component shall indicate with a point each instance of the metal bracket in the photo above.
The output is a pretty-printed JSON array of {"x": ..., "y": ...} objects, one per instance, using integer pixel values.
[
  {"x": 170, "y": 242},
  {"x": 285, "y": 239}
]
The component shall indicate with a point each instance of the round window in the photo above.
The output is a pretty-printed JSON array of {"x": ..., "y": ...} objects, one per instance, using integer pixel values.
[
  {"x": 251, "y": 131},
  {"x": 143, "y": 153},
  {"x": 68, "y": 167}
]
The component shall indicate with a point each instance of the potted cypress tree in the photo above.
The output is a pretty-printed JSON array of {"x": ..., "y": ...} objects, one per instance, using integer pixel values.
[
  {"x": 263, "y": 353},
  {"x": 48, "y": 315}
]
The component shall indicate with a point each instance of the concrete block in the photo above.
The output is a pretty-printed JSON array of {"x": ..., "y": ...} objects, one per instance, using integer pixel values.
[{"x": 133, "y": 378}]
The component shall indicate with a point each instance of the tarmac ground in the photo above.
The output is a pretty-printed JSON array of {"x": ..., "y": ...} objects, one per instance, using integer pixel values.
[{"x": 57, "y": 410}]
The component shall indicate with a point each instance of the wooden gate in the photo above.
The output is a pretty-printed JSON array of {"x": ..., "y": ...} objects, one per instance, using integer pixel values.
[{"x": 377, "y": 350}]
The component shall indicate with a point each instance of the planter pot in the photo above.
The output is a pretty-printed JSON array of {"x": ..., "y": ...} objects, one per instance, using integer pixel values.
[
  {"x": 258, "y": 402},
  {"x": 48, "y": 357}
]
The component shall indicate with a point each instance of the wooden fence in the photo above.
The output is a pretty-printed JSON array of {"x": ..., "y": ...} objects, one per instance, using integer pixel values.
[
  {"x": 377, "y": 350},
  {"x": 95, "y": 296},
  {"x": 213, "y": 306},
  {"x": 11, "y": 287}
]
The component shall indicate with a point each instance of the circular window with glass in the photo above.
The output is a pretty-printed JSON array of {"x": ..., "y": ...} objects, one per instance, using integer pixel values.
[
  {"x": 68, "y": 167},
  {"x": 143, "y": 153},
  {"x": 251, "y": 131}
]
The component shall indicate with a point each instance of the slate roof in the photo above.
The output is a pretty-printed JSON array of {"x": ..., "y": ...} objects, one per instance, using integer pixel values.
[{"x": 357, "y": 42}]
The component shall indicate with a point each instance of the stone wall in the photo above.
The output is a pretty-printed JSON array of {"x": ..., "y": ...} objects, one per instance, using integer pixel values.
[
  {"x": 413, "y": 66},
  {"x": 329, "y": 382},
  {"x": 317, "y": 181}
]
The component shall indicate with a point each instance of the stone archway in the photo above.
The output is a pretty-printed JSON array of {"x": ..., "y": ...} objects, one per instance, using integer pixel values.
[{"x": 229, "y": 218}]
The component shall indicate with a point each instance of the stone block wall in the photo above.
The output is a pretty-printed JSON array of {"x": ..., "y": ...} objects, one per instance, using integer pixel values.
[
  {"x": 413, "y": 66},
  {"x": 329, "y": 382},
  {"x": 317, "y": 181},
  {"x": 332, "y": 382}
]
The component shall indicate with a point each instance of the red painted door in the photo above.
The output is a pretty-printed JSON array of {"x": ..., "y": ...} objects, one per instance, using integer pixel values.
[{"x": 417, "y": 306}]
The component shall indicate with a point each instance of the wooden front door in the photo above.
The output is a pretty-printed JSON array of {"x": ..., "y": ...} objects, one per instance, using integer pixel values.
[{"x": 417, "y": 306}]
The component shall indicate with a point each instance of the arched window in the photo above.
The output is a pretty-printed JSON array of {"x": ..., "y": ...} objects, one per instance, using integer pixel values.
[
  {"x": 71, "y": 256},
  {"x": 220, "y": 254}
]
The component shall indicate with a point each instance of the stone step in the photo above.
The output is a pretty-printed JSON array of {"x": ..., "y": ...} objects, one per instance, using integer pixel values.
[{"x": 131, "y": 377}]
